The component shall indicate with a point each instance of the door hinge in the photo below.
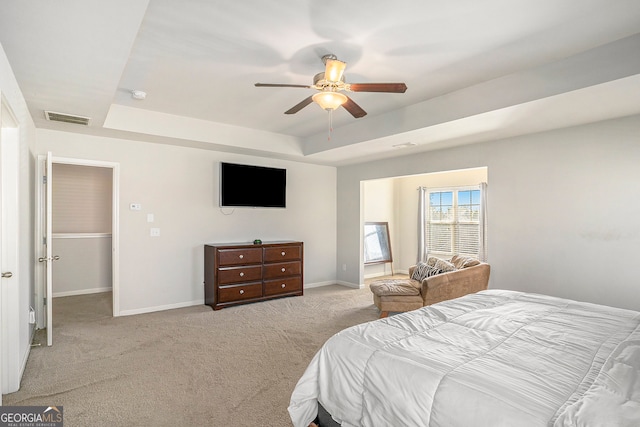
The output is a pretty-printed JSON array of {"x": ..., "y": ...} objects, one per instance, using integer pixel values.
[
  {"x": 45, "y": 300},
  {"x": 44, "y": 241},
  {"x": 44, "y": 179}
]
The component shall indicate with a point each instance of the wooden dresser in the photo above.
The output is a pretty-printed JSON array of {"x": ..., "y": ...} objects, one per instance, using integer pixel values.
[{"x": 240, "y": 273}]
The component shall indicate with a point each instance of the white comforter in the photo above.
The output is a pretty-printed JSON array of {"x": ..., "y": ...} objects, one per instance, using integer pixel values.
[{"x": 495, "y": 358}]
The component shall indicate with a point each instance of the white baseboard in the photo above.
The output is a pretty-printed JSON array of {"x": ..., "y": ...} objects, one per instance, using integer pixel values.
[
  {"x": 81, "y": 292},
  {"x": 371, "y": 276},
  {"x": 160, "y": 308},
  {"x": 319, "y": 284},
  {"x": 201, "y": 302},
  {"x": 332, "y": 282},
  {"x": 23, "y": 364},
  {"x": 350, "y": 285}
]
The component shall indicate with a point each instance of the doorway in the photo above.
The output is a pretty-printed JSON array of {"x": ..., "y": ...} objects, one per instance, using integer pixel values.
[
  {"x": 81, "y": 216},
  {"x": 84, "y": 234},
  {"x": 395, "y": 200}
]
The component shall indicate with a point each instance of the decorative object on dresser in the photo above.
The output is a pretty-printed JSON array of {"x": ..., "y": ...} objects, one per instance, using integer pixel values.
[{"x": 240, "y": 273}]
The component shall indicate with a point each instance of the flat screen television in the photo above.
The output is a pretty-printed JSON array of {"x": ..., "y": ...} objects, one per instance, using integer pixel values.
[{"x": 252, "y": 186}]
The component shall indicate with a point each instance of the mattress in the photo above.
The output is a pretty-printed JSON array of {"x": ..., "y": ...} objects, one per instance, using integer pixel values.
[{"x": 494, "y": 358}]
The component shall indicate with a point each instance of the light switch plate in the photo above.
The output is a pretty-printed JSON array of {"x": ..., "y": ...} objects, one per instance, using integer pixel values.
[{"x": 150, "y": 217}]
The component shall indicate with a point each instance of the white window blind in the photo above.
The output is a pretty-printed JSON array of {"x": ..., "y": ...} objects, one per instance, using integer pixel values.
[{"x": 453, "y": 221}]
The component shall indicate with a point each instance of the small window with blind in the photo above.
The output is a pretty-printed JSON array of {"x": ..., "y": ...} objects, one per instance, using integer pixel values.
[{"x": 453, "y": 221}]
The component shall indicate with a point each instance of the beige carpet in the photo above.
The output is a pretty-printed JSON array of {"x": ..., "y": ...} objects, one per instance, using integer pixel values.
[{"x": 184, "y": 367}]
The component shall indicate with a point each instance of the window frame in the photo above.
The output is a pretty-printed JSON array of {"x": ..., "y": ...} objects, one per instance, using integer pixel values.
[{"x": 455, "y": 222}]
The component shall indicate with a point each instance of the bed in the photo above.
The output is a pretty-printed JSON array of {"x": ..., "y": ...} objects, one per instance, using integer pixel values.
[{"x": 494, "y": 358}]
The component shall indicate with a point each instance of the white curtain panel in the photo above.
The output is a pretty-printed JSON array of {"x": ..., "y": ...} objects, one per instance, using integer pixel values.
[
  {"x": 482, "y": 250},
  {"x": 422, "y": 245}
]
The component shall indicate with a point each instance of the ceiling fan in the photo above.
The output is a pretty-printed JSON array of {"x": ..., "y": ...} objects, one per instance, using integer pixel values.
[{"x": 331, "y": 83}]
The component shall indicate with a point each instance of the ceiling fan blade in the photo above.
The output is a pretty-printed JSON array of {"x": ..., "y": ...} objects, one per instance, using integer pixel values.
[
  {"x": 280, "y": 85},
  {"x": 353, "y": 108},
  {"x": 299, "y": 106},
  {"x": 334, "y": 70},
  {"x": 378, "y": 87}
]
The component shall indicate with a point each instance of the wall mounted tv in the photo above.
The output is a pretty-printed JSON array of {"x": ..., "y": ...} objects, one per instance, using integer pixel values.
[{"x": 252, "y": 186}]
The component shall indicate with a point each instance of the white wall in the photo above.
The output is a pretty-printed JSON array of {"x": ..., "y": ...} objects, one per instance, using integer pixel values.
[
  {"x": 380, "y": 206},
  {"x": 562, "y": 209},
  {"x": 408, "y": 203},
  {"x": 18, "y": 292},
  {"x": 180, "y": 187}
]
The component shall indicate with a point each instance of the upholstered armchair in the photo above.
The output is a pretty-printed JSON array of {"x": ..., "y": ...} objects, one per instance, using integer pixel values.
[{"x": 467, "y": 276}]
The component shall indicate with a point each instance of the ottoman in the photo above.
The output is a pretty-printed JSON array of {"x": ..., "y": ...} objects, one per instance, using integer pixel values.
[{"x": 396, "y": 295}]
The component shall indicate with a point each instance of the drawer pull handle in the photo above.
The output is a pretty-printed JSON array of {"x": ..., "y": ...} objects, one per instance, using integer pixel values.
[
  {"x": 241, "y": 274},
  {"x": 283, "y": 286},
  {"x": 241, "y": 291},
  {"x": 283, "y": 253},
  {"x": 284, "y": 269},
  {"x": 241, "y": 256}
]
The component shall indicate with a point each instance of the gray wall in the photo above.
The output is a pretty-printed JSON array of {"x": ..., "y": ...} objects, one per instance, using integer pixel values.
[
  {"x": 563, "y": 209},
  {"x": 179, "y": 186},
  {"x": 84, "y": 266}
]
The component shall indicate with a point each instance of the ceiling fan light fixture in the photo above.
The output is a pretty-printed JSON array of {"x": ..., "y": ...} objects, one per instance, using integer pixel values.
[
  {"x": 334, "y": 70},
  {"x": 330, "y": 83},
  {"x": 329, "y": 100}
]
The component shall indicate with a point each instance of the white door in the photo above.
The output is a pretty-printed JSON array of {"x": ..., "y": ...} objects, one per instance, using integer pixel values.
[
  {"x": 8, "y": 246},
  {"x": 1, "y": 242},
  {"x": 49, "y": 243},
  {"x": 44, "y": 296}
]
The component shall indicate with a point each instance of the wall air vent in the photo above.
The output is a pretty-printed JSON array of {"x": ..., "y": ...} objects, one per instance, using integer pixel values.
[{"x": 66, "y": 118}]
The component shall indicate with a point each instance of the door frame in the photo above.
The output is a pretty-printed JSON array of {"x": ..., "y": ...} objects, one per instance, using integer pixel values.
[
  {"x": 1, "y": 241},
  {"x": 10, "y": 366},
  {"x": 40, "y": 230}
]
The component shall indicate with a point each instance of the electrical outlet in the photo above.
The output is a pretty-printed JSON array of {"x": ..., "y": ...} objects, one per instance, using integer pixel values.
[
  {"x": 155, "y": 232},
  {"x": 135, "y": 207},
  {"x": 344, "y": 267}
]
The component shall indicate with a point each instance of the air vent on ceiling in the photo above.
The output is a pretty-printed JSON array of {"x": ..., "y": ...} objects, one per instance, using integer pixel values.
[{"x": 66, "y": 118}]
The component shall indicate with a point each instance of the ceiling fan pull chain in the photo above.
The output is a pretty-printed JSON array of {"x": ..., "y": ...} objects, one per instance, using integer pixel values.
[{"x": 330, "y": 124}]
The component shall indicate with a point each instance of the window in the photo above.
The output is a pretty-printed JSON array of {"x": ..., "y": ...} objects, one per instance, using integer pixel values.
[{"x": 453, "y": 221}]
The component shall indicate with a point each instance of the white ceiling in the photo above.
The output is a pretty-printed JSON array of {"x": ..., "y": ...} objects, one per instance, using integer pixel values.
[{"x": 475, "y": 70}]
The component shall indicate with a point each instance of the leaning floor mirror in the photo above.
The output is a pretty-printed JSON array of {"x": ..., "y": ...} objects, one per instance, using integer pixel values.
[{"x": 377, "y": 246}]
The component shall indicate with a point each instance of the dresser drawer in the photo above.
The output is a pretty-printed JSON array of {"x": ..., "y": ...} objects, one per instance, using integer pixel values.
[
  {"x": 283, "y": 286},
  {"x": 242, "y": 273},
  {"x": 282, "y": 269},
  {"x": 282, "y": 253},
  {"x": 245, "y": 273},
  {"x": 239, "y": 256},
  {"x": 239, "y": 292}
]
